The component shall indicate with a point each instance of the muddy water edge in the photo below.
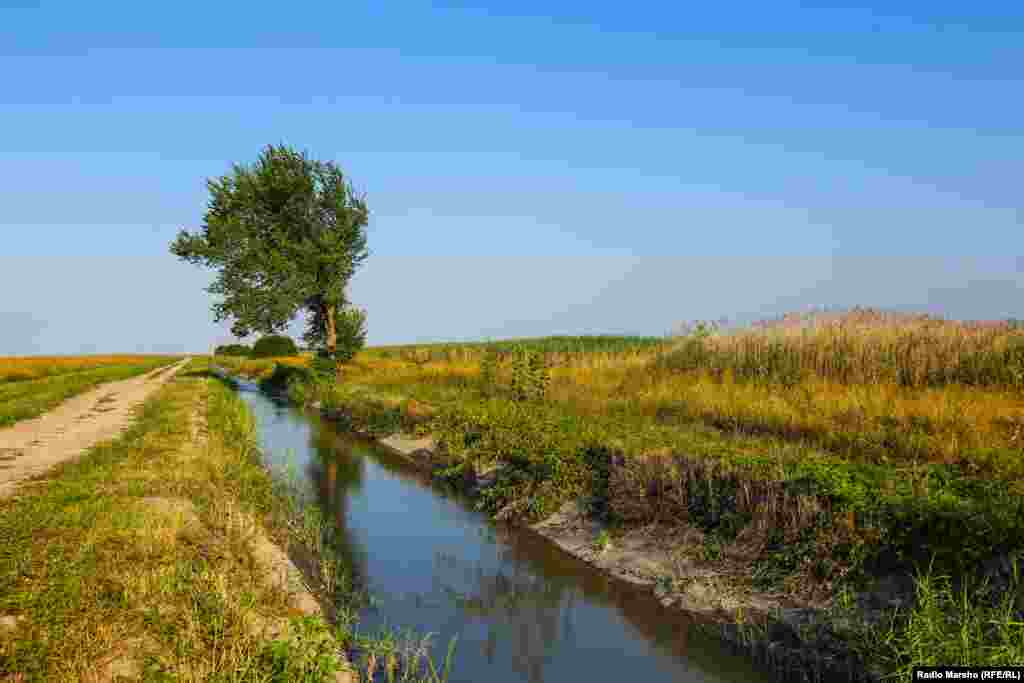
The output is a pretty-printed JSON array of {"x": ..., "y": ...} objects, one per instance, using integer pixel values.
[{"x": 519, "y": 607}]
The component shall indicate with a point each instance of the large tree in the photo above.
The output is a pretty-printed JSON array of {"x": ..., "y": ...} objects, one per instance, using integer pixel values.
[{"x": 285, "y": 234}]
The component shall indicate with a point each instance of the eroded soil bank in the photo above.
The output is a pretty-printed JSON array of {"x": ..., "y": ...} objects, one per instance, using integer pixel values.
[{"x": 795, "y": 638}]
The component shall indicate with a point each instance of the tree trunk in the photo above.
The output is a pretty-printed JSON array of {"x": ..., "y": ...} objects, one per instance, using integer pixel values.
[{"x": 332, "y": 329}]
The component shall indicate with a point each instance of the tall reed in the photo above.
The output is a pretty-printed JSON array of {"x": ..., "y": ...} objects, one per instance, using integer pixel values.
[{"x": 865, "y": 347}]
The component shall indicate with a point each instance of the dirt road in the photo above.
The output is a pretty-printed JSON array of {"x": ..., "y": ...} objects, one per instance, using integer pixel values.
[{"x": 32, "y": 447}]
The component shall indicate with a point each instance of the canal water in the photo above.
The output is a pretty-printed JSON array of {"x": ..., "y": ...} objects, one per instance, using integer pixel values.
[{"x": 521, "y": 608}]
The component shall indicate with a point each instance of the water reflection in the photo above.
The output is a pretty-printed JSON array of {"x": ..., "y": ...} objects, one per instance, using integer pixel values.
[
  {"x": 522, "y": 609},
  {"x": 336, "y": 475},
  {"x": 531, "y": 615}
]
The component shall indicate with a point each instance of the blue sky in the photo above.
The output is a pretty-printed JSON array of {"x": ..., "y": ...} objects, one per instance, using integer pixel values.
[{"x": 603, "y": 169}]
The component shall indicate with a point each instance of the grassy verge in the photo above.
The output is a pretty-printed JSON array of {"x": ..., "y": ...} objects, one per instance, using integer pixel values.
[
  {"x": 133, "y": 560},
  {"x": 830, "y": 464},
  {"x": 25, "y": 399}
]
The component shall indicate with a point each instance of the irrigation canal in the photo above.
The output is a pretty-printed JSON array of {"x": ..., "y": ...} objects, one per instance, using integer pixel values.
[{"x": 522, "y": 609}]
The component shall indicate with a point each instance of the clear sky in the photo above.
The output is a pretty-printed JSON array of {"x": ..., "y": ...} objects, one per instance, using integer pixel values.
[{"x": 606, "y": 168}]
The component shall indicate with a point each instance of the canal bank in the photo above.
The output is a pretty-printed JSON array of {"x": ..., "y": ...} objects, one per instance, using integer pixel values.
[
  {"x": 793, "y": 641},
  {"x": 519, "y": 607}
]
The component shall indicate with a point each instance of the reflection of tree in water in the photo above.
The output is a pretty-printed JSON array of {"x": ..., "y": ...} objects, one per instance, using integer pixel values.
[
  {"x": 531, "y": 614},
  {"x": 336, "y": 472},
  {"x": 529, "y": 601}
]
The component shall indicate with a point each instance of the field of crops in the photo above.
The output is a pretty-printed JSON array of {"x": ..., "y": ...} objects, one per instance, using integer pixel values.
[
  {"x": 31, "y": 386},
  {"x": 18, "y": 369}
]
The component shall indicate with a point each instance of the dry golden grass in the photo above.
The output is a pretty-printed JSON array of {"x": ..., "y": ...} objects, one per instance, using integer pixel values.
[
  {"x": 866, "y": 346},
  {"x": 14, "y": 368},
  {"x": 868, "y": 385},
  {"x": 863, "y": 421}
]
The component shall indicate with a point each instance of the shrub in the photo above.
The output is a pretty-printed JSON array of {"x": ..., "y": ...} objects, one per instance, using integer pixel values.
[
  {"x": 324, "y": 367},
  {"x": 530, "y": 375},
  {"x": 284, "y": 376},
  {"x": 351, "y": 329},
  {"x": 274, "y": 345}
]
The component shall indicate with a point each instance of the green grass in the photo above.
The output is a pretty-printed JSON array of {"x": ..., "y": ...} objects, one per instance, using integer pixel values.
[
  {"x": 31, "y": 398},
  {"x": 965, "y": 626}
]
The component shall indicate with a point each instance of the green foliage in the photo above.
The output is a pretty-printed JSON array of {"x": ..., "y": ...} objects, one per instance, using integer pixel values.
[
  {"x": 530, "y": 375},
  {"x": 285, "y": 234},
  {"x": 350, "y": 332},
  {"x": 274, "y": 345},
  {"x": 947, "y": 625},
  {"x": 324, "y": 367},
  {"x": 233, "y": 350},
  {"x": 351, "y": 323},
  {"x": 545, "y": 454},
  {"x": 550, "y": 455},
  {"x": 308, "y": 655}
]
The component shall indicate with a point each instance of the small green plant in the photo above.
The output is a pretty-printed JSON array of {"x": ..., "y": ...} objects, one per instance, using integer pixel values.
[
  {"x": 845, "y": 599},
  {"x": 664, "y": 584},
  {"x": 603, "y": 541},
  {"x": 947, "y": 624},
  {"x": 403, "y": 657},
  {"x": 309, "y": 654},
  {"x": 489, "y": 371},
  {"x": 712, "y": 549},
  {"x": 530, "y": 376}
]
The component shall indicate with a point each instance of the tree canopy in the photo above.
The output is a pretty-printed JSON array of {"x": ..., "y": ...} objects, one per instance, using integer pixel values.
[{"x": 286, "y": 235}]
